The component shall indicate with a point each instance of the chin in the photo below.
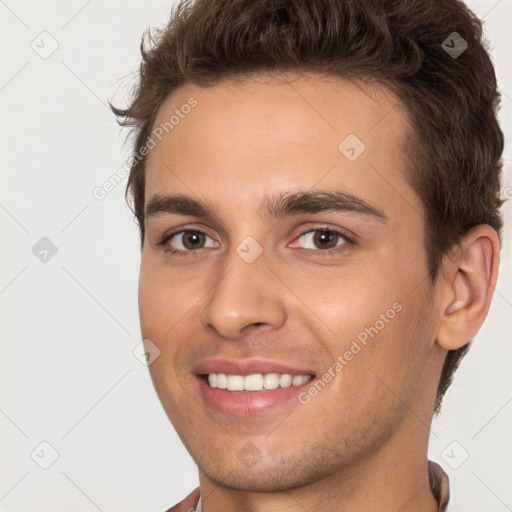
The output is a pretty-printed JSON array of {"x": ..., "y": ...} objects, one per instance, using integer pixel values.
[
  {"x": 263, "y": 479},
  {"x": 272, "y": 472}
]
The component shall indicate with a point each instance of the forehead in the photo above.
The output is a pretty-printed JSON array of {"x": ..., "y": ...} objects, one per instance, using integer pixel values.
[{"x": 265, "y": 133}]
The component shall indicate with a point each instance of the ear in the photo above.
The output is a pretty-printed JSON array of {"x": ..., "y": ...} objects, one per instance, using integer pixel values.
[{"x": 468, "y": 277}]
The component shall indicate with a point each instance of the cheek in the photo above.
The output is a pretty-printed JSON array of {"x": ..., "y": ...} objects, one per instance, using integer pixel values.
[
  {"x": 373, "y": 318},
  {"x": 348, "y": 301},
  {"x": 164, "y": 298},
  {"x": 150, "y": 303},
  {"x": 169, "y": 301},
  {"x": 397, "y": 348},
  {"x": 161, "y": 306}
]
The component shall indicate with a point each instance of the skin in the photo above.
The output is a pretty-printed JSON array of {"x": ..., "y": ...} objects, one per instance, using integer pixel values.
[{"x": 361, "y": 442}]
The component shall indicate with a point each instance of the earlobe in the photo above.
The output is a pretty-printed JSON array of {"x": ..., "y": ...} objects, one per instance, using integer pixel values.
[{"x": 469, "y": 282}]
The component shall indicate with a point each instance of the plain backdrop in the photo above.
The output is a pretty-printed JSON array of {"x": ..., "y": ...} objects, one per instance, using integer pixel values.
[{"x": 74, "y": 397}]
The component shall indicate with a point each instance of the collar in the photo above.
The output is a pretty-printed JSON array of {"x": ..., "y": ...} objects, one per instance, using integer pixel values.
[{"x": 439, "y": 484}]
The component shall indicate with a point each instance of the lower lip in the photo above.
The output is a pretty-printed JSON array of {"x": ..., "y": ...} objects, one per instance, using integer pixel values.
[{"x": 248, "y": 403}]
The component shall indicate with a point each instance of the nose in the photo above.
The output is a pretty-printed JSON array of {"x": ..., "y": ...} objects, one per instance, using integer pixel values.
[{"x": 246, "y": 295}]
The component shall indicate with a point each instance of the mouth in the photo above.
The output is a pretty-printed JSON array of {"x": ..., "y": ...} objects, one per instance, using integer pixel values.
[
  {"x": 254, "y": 381},
  {"x": 250, "y": 387}
]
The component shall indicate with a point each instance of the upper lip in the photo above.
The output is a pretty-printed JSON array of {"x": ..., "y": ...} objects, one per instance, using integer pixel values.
[{"x": 247, "y": 367}]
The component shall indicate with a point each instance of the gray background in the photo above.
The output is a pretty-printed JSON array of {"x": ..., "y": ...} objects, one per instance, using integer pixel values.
[{"x": 69, "y": 376}]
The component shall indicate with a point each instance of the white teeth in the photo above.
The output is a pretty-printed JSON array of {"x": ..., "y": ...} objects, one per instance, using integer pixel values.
[
  {"x": 222, "y": 380},
  {"x": 235, "y": 383},
  {"x": 285, "y": 380},
  {"x": 213, "y": 380},
  {"x": 296, "y": 380},
  {"x": 271, "y": 381},
  {"x": 255, "y": 381}
]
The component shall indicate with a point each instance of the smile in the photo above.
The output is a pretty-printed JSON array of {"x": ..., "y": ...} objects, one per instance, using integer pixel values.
[
  {"x": 250, "y": 387},
  {"x": 255, "y": 381}
]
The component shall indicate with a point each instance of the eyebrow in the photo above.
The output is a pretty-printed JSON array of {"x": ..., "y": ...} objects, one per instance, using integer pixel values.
[{"x": 273, "y": 207}]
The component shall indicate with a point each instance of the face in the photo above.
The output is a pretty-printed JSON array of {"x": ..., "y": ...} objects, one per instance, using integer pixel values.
[{"x": 284, "y": 279}]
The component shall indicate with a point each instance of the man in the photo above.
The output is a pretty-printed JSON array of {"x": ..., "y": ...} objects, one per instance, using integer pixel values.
[{"x": 317, "y": 189}]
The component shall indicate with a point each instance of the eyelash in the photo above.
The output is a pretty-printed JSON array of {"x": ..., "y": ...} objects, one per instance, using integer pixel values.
[{"x": 349, "y": 242}]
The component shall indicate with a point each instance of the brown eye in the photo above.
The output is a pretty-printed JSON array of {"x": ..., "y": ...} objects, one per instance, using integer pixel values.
[
  {"x": 322, "y": 239},
  {"x": 325, "y": 239},
  {"x": 189, "y": 240}
]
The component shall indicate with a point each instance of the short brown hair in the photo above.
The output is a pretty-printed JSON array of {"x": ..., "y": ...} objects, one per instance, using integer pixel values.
[{"x": 451, "y": 99}]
